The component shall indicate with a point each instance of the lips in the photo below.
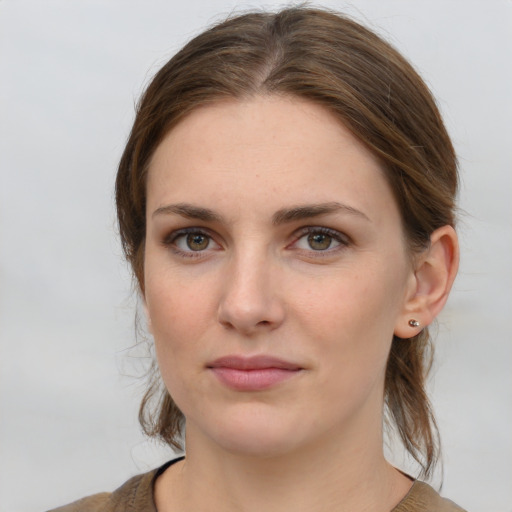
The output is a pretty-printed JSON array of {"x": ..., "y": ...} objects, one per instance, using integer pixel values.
[{"x": 255, "y": 373}]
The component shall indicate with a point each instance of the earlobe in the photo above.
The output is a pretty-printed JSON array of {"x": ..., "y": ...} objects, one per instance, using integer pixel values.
[{"x": 434, "y": 273}]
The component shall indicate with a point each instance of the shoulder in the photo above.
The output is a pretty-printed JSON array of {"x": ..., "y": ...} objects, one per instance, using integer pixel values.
[
  {"x": 95, "y": 503},
  {"x": 423, "y": 498},
  {"x": 135, "y": 495}
]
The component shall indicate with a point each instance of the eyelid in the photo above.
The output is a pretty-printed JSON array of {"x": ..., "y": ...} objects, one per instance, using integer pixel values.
[
  {"x": 169, "y": 240},
  {"x": 343, "y": 239}
]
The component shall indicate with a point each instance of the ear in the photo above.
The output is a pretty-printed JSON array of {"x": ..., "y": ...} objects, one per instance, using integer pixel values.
[{"x": 432, "y": 279}]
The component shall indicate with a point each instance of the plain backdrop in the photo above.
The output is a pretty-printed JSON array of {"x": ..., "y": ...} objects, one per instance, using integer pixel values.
[{"x": 70, "y": 73}]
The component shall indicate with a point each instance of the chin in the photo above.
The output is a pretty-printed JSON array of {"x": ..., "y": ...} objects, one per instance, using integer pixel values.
[
  {"x": 251, "y": 433},
  {"x": 258, "y": 446}
]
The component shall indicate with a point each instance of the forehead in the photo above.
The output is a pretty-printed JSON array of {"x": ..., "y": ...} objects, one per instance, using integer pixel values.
[{"x": 272, "y": 149}]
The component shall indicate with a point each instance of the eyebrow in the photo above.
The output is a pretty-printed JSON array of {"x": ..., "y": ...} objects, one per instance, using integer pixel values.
[
  {"x": 189, "y": 211},
  {"x": 314, "y": 210},
  {"x": 282, "y": 216}
]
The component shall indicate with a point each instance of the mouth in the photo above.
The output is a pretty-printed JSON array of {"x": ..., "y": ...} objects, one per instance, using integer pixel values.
[{"x": 255, "y": 373}]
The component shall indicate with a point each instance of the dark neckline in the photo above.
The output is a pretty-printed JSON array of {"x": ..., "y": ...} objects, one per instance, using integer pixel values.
[{"x": 399, "y": 507}]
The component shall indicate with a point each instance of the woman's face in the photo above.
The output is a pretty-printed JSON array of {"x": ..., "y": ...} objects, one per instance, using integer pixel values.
[{"x": 275, "y": 275}]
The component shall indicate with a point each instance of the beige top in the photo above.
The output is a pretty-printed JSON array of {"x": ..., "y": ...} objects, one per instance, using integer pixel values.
[{"x": 136, "y": 495}]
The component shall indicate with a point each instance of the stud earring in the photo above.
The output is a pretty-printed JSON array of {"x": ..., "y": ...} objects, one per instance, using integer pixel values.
[{"x": 413, "y": 323}]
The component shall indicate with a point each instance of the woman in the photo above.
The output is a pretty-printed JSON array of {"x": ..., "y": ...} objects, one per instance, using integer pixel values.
[{"x": 286, "y": 201}]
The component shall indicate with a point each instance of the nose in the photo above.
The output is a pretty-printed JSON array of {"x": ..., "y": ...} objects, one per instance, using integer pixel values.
[{"x": 251, "y": 301}]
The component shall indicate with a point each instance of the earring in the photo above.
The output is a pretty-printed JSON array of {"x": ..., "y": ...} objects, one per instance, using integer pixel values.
[{"x": 413, "y": 323}]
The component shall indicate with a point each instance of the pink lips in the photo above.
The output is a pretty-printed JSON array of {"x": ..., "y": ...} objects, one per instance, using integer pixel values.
[{"x": 252, "y": 373}]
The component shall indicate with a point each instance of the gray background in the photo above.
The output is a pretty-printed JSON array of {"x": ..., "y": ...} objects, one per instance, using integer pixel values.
[{"x": 70, "y": 72}]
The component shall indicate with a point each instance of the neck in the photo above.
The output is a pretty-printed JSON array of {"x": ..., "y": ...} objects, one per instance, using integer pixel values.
[{"x": 327, "y": 477}]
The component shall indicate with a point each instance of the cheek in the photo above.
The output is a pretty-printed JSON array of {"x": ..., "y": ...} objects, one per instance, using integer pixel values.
[
  {"x": 353, "y": 334},
  {"x": 179, "y": 319},
  {"x": 354, "y": 300},
  {"x": 351, "y": 317}
]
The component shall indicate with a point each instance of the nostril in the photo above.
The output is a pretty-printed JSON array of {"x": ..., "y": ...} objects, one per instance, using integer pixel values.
[
  {"x": 250, "y": 312},
  {"x": 227, "y": 325}
]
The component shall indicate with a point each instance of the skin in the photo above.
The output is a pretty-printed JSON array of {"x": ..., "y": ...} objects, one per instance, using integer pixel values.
[{"x": 254, "y": 279}]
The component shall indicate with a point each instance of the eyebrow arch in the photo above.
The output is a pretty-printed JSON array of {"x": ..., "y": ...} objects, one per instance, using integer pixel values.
[
  {"x": 314, "y": 210},
  {"x": 282, "y": 216},
  {"x": 189, "y": 211}
]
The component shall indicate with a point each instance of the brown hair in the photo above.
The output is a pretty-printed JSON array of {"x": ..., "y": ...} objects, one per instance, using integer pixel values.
[{"x": 335, "y": 62}]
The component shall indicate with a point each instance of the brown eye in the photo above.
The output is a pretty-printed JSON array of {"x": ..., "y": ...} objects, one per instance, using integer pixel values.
[
  {"x": 319, "y": 241},
  {"x": 197, "y": 241},
  {"x": 191, "y": 242}
]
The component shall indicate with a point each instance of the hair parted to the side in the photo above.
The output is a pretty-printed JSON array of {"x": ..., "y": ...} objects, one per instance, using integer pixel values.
[{"x": 335, "y": 62}]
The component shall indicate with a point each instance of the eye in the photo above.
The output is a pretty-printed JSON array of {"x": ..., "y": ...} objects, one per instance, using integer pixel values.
[
  {"x": 190, "y": 242},
  {"x": 320, "y": 240}
]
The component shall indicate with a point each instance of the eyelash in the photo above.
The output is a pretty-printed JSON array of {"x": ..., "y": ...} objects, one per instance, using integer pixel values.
[
  {"x": 170, "y": 241},
  {"x": 341, "y": 239}
]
